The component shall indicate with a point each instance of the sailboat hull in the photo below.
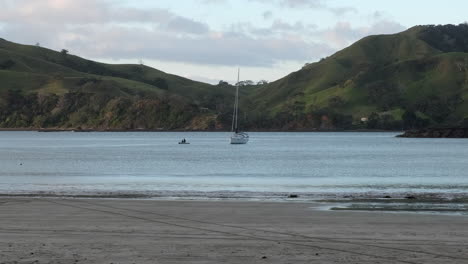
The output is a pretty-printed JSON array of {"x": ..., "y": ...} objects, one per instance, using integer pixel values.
[{"x": 239, "y": 138}]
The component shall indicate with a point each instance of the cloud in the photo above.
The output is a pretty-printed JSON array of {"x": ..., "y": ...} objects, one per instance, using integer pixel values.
[
  {"x": 230, "y": 48},
  {"x": 99, "y": 29},
  {"x": 182, "y": 24},
  {"x": 312, "y": 4},
  {"x": 213, "y": 1},
  {"x": 102, "y": 29},
  {"x": 302, "y": 3},
  {"x": 86, "y": 12},
  {"x": 340, "y": 11},
  {"x": 343, "y": 33},
  {"x": 267, "y": 15},
  {"x": 279, "y": 28}
]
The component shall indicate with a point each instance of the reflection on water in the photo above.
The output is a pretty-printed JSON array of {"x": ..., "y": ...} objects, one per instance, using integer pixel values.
[{"x": 443, "y": 208}]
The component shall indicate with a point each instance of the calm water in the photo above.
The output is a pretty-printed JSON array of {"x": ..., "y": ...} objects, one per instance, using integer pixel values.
[{"x": 271, "y": 164}]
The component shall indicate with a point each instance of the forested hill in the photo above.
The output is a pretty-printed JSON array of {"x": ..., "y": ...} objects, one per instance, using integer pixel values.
[{"x": 414, "y": 79}]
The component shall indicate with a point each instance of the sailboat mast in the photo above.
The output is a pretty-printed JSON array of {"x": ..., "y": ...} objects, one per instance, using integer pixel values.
[
  {"x": 237, "y": 98},
  {"x": 236, "y": 105}
]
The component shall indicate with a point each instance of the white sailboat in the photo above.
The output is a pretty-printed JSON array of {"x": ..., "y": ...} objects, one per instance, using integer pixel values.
[{"x": 237, "y": 137}]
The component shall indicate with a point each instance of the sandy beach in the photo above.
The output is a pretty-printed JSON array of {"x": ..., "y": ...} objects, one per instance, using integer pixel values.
[{"x": 45, "y": 230}]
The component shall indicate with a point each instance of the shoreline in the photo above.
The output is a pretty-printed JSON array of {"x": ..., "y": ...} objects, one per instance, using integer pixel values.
[
  {"x": 436, "y": 132},
  {"x": 422, "y": 133},
  {"x": 405, "y": 203},
  {"x": 181, "y": 131},
  {"x": 267, "y": 195}
]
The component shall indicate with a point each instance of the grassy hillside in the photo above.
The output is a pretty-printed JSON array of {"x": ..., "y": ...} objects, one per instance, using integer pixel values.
[
  {"x": 42, "y": 88},
  {"x": 415, "y": 78}
]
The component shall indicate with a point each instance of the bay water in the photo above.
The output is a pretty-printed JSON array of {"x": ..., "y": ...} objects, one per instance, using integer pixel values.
[{"x": 271, "y": 165}]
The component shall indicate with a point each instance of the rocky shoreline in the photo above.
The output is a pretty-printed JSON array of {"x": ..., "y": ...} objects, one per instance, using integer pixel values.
[
  {"x": 436, "y": 133},
  {"x": 188, "y": 130}
]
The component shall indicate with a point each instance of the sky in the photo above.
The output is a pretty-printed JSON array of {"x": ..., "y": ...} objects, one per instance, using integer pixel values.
[{"x": 207, "y": 40}]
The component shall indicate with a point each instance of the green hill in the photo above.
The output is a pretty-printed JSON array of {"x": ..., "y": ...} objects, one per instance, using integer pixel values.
[
  {"x": 416, "y": 78},
  {"x": 42, "y": 88},
  {"x": 413, "y": 79}
]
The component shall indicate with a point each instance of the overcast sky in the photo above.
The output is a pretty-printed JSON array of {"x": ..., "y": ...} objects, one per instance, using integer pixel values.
[{"x": 207, "y": 40}]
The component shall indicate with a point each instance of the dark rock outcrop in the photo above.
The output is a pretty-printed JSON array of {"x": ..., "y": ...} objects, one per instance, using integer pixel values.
[{"x": 437, "y": 133}]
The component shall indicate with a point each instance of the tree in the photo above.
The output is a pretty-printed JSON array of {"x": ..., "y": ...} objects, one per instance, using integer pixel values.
[
  {"x": 411, "y": 120},
  {"x": 7, "y": 64},
  {"x": 64, "y": 52},
  {"x": 336, "y": 101},
  {"x": 222, "y": 83},
  {"x": 245, "y": 83},
  {"x": 262, "y": 82},
  {"x": 342, "y": 121},
  {"x": 161, "y": 83},
  {"x": 374, "y": 121}
]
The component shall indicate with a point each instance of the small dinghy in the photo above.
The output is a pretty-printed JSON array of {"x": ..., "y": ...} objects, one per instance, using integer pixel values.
[{"x": 183, "y": 141}]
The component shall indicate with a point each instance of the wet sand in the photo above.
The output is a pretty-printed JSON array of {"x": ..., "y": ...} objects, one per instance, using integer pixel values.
[{"x": 48, "y": 230}]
